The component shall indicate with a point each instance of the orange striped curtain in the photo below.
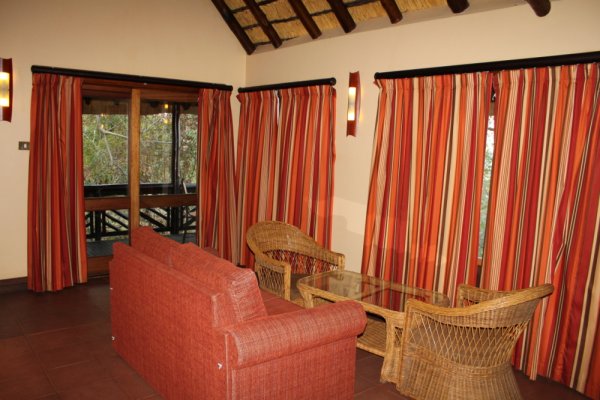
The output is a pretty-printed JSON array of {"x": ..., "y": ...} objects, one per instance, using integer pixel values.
[
  {"x": 425, "y": 191},
  {"x": 286, "y": 155},
  {"x": 217, "y": 202},
  {"x": 56, "y": 240},
  {"x": 256, "y": 160},
  {"x": 544, "y": 217},
  {"x": 305, "y": 160}
]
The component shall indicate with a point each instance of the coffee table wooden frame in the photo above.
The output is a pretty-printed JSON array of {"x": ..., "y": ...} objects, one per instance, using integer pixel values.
[{"x": 382, "y": 335}]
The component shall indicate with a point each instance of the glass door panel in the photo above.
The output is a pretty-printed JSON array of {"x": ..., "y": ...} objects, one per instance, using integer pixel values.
[
  {"x": 168, "y": 167},
  {"x": 105, "y": 123}
]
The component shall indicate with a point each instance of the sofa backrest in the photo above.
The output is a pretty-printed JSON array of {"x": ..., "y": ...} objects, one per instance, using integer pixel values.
[
  {"x": 239, "y": 284},
  {"x": 153, "y": 244}
]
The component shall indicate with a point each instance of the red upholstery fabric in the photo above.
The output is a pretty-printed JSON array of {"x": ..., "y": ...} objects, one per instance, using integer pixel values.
[
  {"x": 179, "y": 330},
  {"x": 274, "y": 305},
  {"x": 159, "y": 247},
  {"x": 219, "y": 274}
]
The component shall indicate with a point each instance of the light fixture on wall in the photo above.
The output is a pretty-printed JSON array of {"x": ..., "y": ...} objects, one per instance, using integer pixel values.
[
  {"x": 353, "y": 103},
  {"x": 6, "y": 89}
]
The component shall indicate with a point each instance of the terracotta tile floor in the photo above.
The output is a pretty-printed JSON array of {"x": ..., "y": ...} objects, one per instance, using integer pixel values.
[{"x": 57, "y": 346}]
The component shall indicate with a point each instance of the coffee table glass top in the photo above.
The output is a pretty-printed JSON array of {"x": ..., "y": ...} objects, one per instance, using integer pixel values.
[{"x": 371, "y": 290}]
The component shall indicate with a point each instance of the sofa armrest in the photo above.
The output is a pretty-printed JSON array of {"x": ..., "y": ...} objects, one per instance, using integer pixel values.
[{"x": 263, "y": 339}]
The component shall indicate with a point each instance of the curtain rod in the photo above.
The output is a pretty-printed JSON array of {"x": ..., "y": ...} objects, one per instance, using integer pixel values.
[
  {"x": 37, "y": 69},
  {"x": 551, "y": 61},
  {"x": 288, "y": 85}
]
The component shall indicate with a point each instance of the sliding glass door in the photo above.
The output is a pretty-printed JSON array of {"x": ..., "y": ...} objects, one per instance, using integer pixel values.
[{"x": 140, "y": 166}]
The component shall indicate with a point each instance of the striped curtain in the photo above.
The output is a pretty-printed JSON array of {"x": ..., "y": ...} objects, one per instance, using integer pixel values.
[
  {"x": 286, "y": 155},
  {"x": 425, "y": 191},
  {"x": 56, "y": 241},
  {"x": 216, "y": 197},
  {"x": 305, "y": 160},
  {"x": 256, "y": 160},
  {"x": 544, "y": 216}
]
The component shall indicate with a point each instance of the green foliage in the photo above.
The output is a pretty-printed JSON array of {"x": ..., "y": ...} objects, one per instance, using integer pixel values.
[
  {"x": 105, "y": 153},
  {"x": 487, "y": 179}
]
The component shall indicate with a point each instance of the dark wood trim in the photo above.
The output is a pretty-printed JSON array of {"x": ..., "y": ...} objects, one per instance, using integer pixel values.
[
  {"x": 540, "y": 7},
  {"x": 235, "y": 26},
  {"x": 264, "y": 23},
  {"x": 106, "y": 203},
  {"x": 307, "y": 20},
  {"x": 288, "y": 85},
  {"x": 568, "y": 59},
  {"x": 146, "y": 201},
  {"x": 392, "y": 10},
  {"x": 458, "y": 6},
  {"x": 98, "y": 266},
  {"x": 168, "y": 200},
  {"x": 144, "y": 80},
  {"x": 342, "y": 14},
  {"x": 13, "y": 285},
  {"x": 134, "y": 159}
]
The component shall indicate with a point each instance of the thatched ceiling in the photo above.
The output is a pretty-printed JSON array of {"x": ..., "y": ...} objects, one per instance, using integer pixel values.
[{"x": 271, "y": 22}]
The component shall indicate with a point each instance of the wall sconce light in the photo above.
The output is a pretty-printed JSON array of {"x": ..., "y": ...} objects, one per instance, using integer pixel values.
[
  {"x": 6, "y": 89},
  {"x": 353, "y": 103}
]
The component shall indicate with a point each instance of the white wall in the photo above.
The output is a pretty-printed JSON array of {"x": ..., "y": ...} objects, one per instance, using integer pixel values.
[
  {"x": 181, "y": 39},
  {"x": 503, "y": 34}
]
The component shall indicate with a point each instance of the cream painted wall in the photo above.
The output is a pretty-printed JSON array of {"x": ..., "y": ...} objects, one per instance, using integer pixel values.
[
  {"x": 503, "y": 34},
  {"x": 181, "y": 39}
]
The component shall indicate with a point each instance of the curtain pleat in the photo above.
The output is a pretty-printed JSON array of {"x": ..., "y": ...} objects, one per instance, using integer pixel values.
[
  {"x": 425, "y": 190},
  {"x": 544, "y": 218},
  {"x": 286, "y": 156},
  {"x": 56, "y": 239},
  {"x": 256, "y": 160},
  {"x": 216, "y": 197},
  {"x": 305, "y": 161}
]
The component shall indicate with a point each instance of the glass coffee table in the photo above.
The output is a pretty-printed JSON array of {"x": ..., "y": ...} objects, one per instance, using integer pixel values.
[{"x": 383, "y": 302}]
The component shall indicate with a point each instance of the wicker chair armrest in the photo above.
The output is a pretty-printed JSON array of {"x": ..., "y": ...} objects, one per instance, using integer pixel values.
[
  {"x": 468, "y": 294},
  {"x": 271, "y": 263},
  {"x": 263, "y": 339}
]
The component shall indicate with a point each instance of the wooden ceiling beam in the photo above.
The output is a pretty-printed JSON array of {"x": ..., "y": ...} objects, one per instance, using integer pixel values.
[
  {"x": 458, "y": 6},
  {"x": 235, "y": 26},
  {"x": 540, "y": 7},
  {"x": 342, "y": 14},
  {"x": 392, "y": 10},
  {"x": 305, "y": 17},
  {"x": 264, "y": 23}
]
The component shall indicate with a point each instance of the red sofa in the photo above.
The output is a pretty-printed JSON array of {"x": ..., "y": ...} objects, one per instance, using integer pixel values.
[{"x": 197, "y": 327}]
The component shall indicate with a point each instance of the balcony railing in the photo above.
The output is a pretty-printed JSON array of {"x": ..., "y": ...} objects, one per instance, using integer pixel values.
[{"x": 107, "y": 210}]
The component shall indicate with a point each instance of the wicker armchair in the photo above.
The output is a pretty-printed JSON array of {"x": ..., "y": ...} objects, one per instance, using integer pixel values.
[
  {"x": 283, "y": 254},
  {"x": 465, "y": 352}
]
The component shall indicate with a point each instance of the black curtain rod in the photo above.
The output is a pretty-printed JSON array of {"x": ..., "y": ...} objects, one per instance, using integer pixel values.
[
  {"x": 37, "y": 69},
  {"x": 288, "y": 85},
  {"x": 551, "y": 61}
]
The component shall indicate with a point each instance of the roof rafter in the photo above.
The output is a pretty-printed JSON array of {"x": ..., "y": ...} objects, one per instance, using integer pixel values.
[
  {"x": 458, "y": 6},
  {"x": 342, "y": 14},
  {"x": 235, "y": 26},
  {"x": 392, "y": 10},
  {"x": 305, "y": 17},
  {"x": 264, "y": 23},
  {"x": 540, "y": 7}
]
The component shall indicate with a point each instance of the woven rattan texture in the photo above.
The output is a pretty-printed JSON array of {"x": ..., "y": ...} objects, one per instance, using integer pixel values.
[
  {"x": 465, "y": 352},
  {"x": 281, "y": 249}
]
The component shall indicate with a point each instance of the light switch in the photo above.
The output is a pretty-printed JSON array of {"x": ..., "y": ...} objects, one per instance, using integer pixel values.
[{"x": 23, "y": 145}]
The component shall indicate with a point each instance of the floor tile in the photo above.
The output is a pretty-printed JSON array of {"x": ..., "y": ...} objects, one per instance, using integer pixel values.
[
  {"x": 31, "y": 386},
  {"x": 100, "y": 390},
  {"x": 75, "y": 375}
]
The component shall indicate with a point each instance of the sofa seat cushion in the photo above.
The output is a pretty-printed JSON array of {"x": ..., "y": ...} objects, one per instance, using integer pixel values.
[
  {"x": 153, "y": 244},
  {"x": 239, "y": 284},
  {"x": 276, "y": 305}
]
